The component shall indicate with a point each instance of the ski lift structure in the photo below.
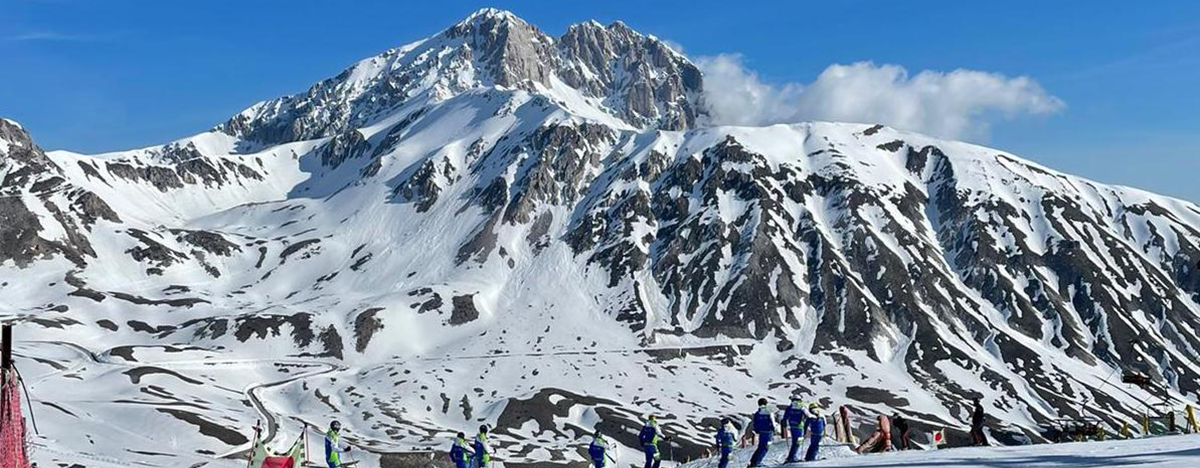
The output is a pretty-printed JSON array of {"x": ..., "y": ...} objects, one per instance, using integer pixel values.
[
  {"x": 1159, "y": 408},
  {"x": 1158, "y": 415}
]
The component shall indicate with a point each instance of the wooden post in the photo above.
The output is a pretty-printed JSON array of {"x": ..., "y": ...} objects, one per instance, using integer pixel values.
[
  {"x": 5, "y": 352},
  {"x": 6, "y": 343},
  {"x": 5, "y": 361}
]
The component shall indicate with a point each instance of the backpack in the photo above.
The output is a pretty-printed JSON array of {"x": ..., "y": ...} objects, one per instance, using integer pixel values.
[
  {"x": 596, "y": 451},
  {"x": 646, "y": 437}
]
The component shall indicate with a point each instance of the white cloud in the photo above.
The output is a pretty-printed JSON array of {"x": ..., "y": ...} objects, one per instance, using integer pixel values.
[{"x": 957, "y": 104}]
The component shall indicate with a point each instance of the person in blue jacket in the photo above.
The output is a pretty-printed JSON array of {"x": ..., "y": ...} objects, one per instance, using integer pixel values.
[
  {"x": 333, "y": 445},
  {"x": 793, "y": 419},
  {"x": 763, "y": 424},
  {"x": 483, "y": 450},
  {"x": 725, "y": 441},
  {"x": 460, "y": 454},
  {"x": 649, "y": 437},
  {"x": 816, "y": 430},
  {"x": 598, "y": 450}
]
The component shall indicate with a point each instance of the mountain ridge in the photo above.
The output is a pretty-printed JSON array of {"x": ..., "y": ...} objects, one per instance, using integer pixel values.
[{"x": 547, "y": 259}]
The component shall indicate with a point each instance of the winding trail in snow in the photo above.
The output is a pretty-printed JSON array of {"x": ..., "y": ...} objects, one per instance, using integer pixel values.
[
  {"x": 261, "y": 408},
  {"x": 251, "y": 391},
  {"x": 254, "y": 392}
]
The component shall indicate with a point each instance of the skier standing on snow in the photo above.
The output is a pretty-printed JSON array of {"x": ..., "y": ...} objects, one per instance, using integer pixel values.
[
  {"x": 763, "y": 424},
  {"x": 649, "y": 437},
  {"x": 333, "y": 446},
  {"x": 725, "y": 441},
  {"x": 460, "y": 453},
  {"x": 816, "y": 430},
  {"x": 598, "y": 450},
  {"x": 483, "y": 451},
  {"x": 899, "y": 432},
  {"x": 977, "y": 416},
  {"x": 793, "y": 419}
]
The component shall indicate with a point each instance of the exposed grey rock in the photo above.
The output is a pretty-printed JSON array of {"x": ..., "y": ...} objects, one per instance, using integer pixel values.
[
  {"x": 208, "y": 241},
  {"x": 464, "y": 310},
  {"x": 366, "y": 324}
]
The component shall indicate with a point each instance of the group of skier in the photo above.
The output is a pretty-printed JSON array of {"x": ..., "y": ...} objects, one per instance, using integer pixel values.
[
  {"x": 797, "y": 422},
  {"x": 477, "y": 455},
  {"x": 800, "y": 421}
]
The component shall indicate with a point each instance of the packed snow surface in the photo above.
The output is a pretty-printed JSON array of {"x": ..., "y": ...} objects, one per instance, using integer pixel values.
[{"x": 1158, "y": 452}]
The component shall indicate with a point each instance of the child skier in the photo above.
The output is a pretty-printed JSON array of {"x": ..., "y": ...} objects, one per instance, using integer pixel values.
[
  {"x": 793, "y": 419},
  {"x": 598, "y": 450},
  {"x": 725, "y": 441},
  {"x": 763, "y": 424},
  {"x": 460, "y": 453},
  {"x": 816, "y": 430},
  {"x": 483, "y": 451},
  {"x": 333, "y": 446},
  {"x": 649, "y": 439}
]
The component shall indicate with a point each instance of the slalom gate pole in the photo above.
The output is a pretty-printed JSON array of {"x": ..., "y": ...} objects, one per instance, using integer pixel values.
[{"x": 253, "y": 444}]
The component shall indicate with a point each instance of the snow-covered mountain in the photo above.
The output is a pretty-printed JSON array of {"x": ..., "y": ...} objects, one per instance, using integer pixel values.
[{"x": 544, "y": 234}]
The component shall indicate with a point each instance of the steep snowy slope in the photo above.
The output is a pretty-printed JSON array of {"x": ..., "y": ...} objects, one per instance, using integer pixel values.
[{"x": 494, "y": 225}]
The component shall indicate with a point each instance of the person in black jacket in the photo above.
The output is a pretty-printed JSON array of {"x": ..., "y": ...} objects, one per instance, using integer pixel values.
[
  {"x": 899, "y": 432},
  {"x": 977, "y": 416}
]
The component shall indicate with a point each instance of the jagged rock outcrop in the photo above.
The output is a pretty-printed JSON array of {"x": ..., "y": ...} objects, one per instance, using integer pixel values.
[{"x": 635, "y": 78}]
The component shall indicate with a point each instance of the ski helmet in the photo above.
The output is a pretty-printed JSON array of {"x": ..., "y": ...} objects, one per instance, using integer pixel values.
[{"x": 335, "y": 425}]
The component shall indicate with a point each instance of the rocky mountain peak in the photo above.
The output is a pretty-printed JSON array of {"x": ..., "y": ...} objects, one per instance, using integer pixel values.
[
  {"x": 517, "y": 53},
  {"x": 11, "y": 134},
  {"x": 646, "y": 82},
  {"x": 20, "y": 157},
  {"x": 616, "y": 70}
]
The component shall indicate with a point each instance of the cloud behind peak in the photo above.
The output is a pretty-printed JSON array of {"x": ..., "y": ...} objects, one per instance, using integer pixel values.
[{"x": 957, "y": 104}]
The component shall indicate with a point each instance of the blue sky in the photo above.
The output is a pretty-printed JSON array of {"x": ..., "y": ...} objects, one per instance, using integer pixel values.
[{"x": 99, "y": 76}]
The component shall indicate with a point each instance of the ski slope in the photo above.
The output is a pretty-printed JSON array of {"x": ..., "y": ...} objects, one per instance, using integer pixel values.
[{"x": 1159, "y": 452}]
